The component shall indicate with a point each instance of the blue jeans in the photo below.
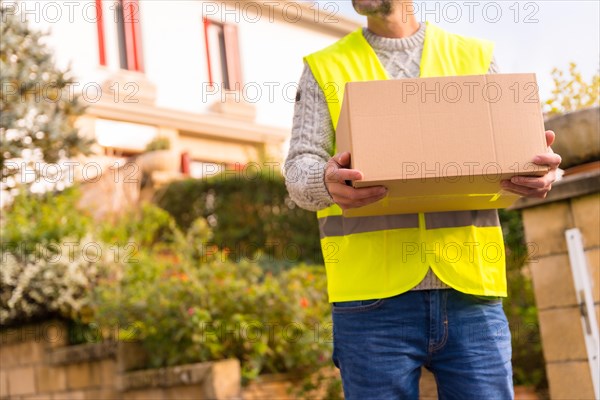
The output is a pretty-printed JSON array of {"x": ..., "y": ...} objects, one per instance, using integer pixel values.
[{"x": 380, "y": 345}]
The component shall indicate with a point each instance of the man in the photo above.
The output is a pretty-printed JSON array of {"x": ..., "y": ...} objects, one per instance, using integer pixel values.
[{"x": 395, "y": 311}]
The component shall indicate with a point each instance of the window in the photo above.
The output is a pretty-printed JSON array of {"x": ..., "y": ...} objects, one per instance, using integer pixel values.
[
  {"x": 129, "y": 38},
  {"x": 222, "y": 54},
  {"x": 129, "y": 34}
]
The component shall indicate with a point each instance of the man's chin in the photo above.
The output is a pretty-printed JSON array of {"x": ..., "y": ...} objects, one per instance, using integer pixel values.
[{"x": 373, "y": 7}]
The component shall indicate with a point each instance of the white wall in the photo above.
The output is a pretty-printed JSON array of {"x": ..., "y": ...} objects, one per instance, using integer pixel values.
[
  {"x": 272, "y": 52},
  {"x": 72, "y": 35}
]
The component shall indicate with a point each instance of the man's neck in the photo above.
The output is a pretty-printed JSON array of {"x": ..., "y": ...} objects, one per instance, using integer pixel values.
[{"x": 395, "y": 25}]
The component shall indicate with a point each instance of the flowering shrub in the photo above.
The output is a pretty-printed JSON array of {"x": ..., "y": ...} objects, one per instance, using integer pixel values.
[
  {"x": 187, "y": 312},
  {"x": 57, "y": 283},
  {"x": 53, "y": 255},
  {"x": 36, "y": 223},
  {"x": 48, "y": 260}
]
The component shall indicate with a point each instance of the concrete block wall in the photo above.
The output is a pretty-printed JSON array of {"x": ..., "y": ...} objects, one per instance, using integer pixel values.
[{"x": 574, "y": 203}]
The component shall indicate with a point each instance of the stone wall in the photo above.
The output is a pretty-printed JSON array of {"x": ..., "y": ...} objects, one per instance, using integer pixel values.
[
  {"x": 573, "y": 202},
  {"x": 36, "y": 363}
]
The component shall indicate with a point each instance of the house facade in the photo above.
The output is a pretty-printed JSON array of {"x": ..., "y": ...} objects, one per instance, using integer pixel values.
[{"x": 218, "y": 79}]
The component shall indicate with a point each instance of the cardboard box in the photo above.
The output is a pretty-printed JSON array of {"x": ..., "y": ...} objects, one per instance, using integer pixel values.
[{"x": 442, "y": 144}]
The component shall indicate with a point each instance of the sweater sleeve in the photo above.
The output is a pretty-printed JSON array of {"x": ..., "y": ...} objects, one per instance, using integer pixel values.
[{"x": 311, "y": 146}]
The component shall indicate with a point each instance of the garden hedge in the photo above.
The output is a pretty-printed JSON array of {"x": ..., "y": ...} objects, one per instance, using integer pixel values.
[{"x": 250, "y": 217}]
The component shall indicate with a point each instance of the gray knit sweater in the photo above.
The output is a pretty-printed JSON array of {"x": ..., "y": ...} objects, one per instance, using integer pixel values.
[{"x": 312, "y": 130}]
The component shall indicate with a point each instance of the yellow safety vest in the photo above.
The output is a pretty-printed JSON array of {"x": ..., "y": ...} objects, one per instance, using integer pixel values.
[{"x": 382, "y": 256}]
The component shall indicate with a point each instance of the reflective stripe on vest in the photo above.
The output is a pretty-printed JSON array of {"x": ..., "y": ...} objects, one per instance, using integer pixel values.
[
  {"x": 337, "y": 225},
  {"x": 382, "y": 256}
]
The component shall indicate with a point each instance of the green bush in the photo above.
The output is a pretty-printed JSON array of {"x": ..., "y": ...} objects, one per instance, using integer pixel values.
[
  {"x": 34, "y": 222},
  {"x": 191, "y": 303},
  {"x": 248, "y": 217},
  {"x": 159, "y": 143},
  {"x": 147, "y": 228},
  {"x": 53, "y": 254},
  {"x": 49, "y": 259},
  {"x": 187, "y": 313}
]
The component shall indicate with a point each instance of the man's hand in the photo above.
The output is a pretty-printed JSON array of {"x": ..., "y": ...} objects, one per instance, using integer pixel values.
[
  {"x": 536, "y": 186},
  {"x": 337, "y": 172}
]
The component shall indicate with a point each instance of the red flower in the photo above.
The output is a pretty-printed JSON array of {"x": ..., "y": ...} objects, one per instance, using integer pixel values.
[
  {"x": 303, "y": 302},
  {"x": 183, "y": 277}
]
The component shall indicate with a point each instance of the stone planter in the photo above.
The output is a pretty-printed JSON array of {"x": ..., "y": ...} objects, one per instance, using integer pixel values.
[
  {"x": 159, "y": 160},
  {"x": 577, "y": 136}
]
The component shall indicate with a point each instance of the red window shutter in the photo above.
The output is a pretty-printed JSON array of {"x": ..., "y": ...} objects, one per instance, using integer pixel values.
[
  {"x": 133, "y": 35},
  {"x": 206, "y": 23},
  {"x": 232, "y": 54},
  {"x": 100, "y": 30}
]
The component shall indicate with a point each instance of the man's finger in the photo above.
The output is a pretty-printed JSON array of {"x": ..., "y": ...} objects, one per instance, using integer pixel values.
[
  {"x": 346, "y": 204},
  {"x": 343, "y": 192},
  {"x": 533, "y": 182},
  {"x": 550, "y": 136},
  {"x": 335, "y": 174},
  {"x": 524, "y": 190},
  {"x": 550, "y": 159},
  {"x": 342, "y": 159}
]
